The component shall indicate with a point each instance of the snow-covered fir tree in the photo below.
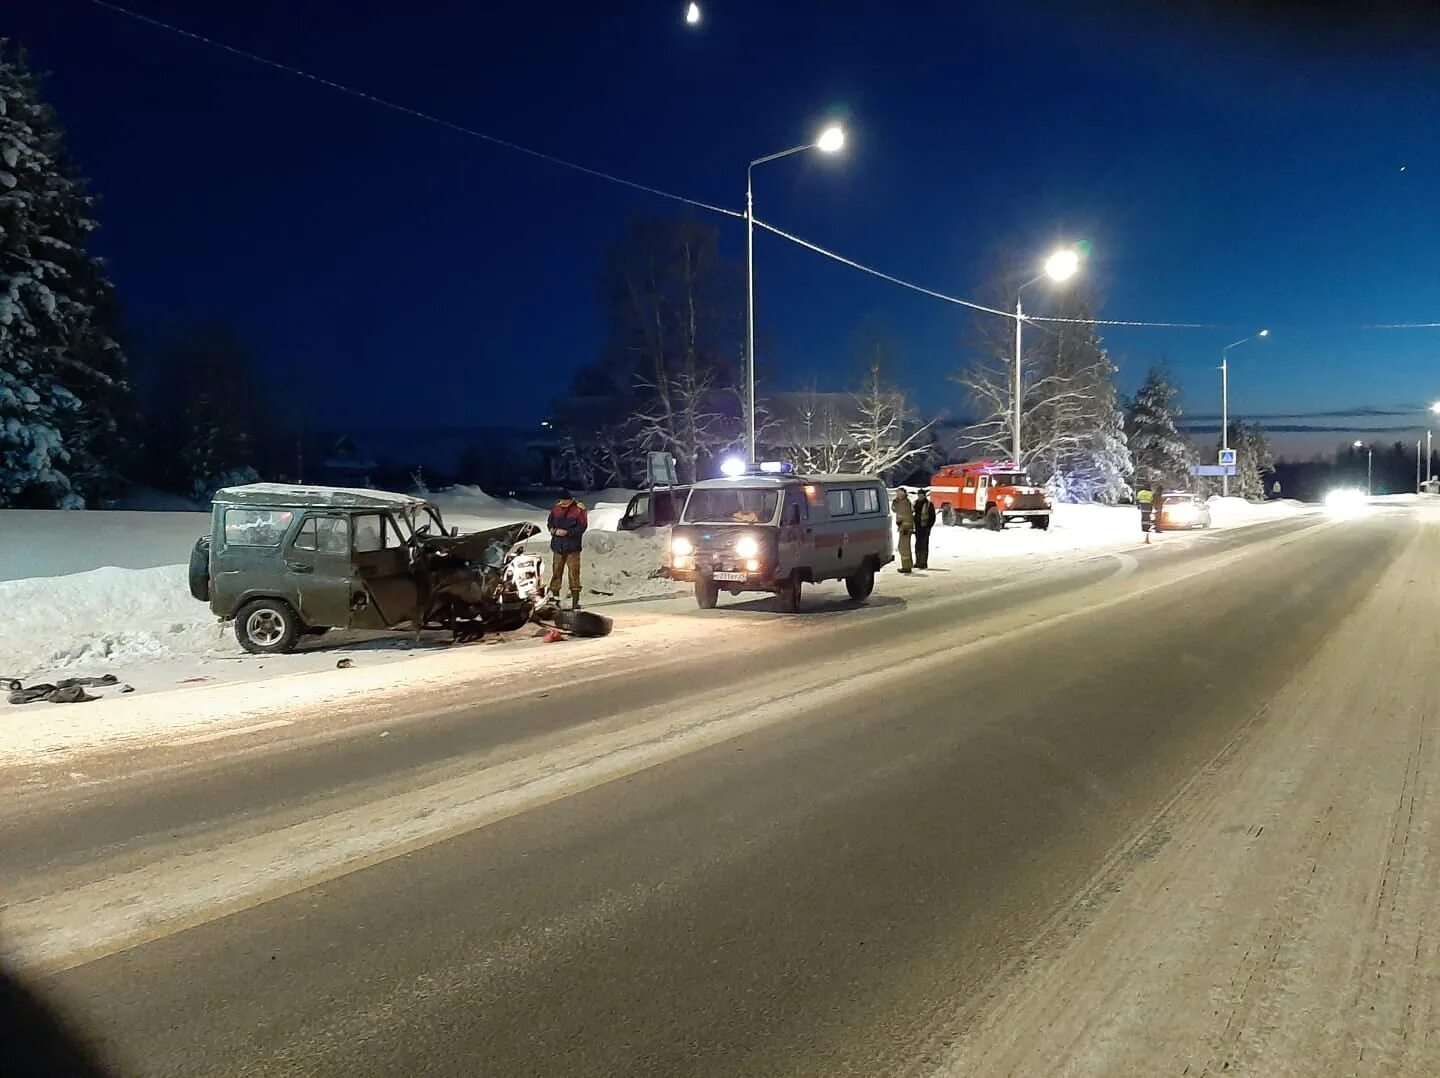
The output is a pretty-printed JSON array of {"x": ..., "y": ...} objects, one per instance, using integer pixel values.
[
  {"x": 1157, "y": 448},
  {"x": 1254, "y": 461},
  {"x": 1076, "y": 428},
  {"x": 61, "y": 371}
]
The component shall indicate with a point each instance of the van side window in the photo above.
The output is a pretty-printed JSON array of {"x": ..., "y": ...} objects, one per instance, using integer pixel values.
[
  {"x": 867, "y": 500},
  {"x": 841, "y": 503},
  {"x": 376, "y": 531},
  {"x": 640, "y": 507}
]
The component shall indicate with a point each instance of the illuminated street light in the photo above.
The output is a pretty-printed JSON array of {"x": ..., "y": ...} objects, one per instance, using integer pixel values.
[
  {"x": 1225, "y": 399},
  {"x": 1059, "y": 267},
  {"x": 692, "y": 15},
  {"x": 830, "y": 140}
]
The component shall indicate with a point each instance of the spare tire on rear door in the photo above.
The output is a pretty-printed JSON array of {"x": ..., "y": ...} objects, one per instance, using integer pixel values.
[{"x": 200, "y": 569}]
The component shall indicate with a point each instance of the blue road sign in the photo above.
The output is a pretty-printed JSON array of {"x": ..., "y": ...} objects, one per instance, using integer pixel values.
[{"x": 1227, "y": 459}]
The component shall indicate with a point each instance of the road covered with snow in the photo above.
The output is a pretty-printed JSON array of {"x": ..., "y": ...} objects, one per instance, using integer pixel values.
[{"x": 1111, "y": 811}]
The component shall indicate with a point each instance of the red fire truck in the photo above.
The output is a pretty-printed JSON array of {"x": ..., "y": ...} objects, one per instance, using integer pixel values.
[{"x": 990, "y": 491}]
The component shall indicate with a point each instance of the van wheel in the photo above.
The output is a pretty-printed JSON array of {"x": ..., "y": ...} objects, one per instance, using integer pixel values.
[
  {"x": 267, "y": 627},
  {"x": 993, "y": 520},
  {"x": 1042, "y": 523},
  {"x": 707, "y": 593},
  {"x": 947, "y": 516},
  {"x": 790, "y": 596},
  {"x": 861, "y": 584}
]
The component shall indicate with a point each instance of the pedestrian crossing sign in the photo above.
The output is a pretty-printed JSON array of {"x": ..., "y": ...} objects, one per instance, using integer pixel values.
[{"x": 1227, "y": 458}]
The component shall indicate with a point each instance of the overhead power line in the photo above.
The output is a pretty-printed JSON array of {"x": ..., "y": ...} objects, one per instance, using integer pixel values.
[
  {"x": 1404, "y": 325},
  {"x": 956, "y": 299},
  {"x": 494, "y": 140},
  {"x": 540, "y": 155}
]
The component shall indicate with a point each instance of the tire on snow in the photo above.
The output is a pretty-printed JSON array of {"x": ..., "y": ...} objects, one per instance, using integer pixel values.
[{"x": 267, "y": 627}]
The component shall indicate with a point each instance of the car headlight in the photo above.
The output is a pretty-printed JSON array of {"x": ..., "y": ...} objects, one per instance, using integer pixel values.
[
  {"x": 746, "y": 546},
  {"x": 682, "y": 546},
  {"x": 1006, "y": 499}
]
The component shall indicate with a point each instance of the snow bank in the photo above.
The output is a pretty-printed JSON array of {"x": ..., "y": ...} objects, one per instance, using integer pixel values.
[
  {"x": 103, "y": 619},
  {"x": 51, "y": 542},
  {"x": 1228, "y": 512},
  {"x": 618, "y": 565}
]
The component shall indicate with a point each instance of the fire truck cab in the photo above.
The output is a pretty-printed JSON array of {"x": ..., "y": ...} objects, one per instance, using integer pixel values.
[{"x": 990, "y": 492}]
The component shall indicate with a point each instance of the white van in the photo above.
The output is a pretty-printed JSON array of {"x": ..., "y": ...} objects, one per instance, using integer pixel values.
[{"x": 777, "y": 532}]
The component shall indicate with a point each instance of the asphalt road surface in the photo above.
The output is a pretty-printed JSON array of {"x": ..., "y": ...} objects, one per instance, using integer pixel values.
[{"x": 1172, "y": 811}]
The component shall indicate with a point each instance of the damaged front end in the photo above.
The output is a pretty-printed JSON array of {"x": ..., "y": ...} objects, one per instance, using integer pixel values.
[{"x": 479, "y": 583}]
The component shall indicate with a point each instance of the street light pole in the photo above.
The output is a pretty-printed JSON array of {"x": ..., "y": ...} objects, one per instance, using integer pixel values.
[
  {"x": 829, "y": 141},
  {"x": 1225, "y": 402},
  {"x": 1369, "y": 465},
  {"x": 1059, "y": 267}
]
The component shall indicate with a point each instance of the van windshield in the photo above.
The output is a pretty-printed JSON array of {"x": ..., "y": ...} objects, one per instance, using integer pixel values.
[
  {"x": 1009, "y": 479},
  {"x": 732, "y": 505}
]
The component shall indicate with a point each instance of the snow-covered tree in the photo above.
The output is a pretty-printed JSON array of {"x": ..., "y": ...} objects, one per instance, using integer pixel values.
[
  {"x": 815, "y": 432},
  {"x": 885, "y": 432},
  {"x": 62, "y": 375},
  {"x": 1159, "y": 451},
  {"x": 1072, "y": 428},
  {"x": 674, "y": 335},
  {"x": 1254, "y": 460}
]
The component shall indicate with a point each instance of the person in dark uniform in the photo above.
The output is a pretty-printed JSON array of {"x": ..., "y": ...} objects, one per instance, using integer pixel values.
[{"x": 924, "y": 513}]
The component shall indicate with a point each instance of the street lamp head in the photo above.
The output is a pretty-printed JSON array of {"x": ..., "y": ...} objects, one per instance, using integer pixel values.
[
  {"x": 692, "y": 15},
  {"x": 1062, "y": 265},
  {"x": 831, "y": 140},
  {"x": 1435, "y": 407},
  {"x": 1263, "y": 333},
  {"x": 1357, "y": 445}
]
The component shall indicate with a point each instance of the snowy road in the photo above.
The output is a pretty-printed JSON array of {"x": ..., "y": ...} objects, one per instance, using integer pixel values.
[{"x": 1170, "y": 811}]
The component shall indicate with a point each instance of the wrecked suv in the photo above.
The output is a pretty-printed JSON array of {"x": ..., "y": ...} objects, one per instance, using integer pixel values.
[{"x": 284, "y": 562}]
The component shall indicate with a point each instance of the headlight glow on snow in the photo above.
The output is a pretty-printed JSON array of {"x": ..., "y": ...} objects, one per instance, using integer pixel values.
[
  {"x": 1344, "y": 501},
  {"x": 682, "y": 546},
  {"x": 746, "y": 546}
]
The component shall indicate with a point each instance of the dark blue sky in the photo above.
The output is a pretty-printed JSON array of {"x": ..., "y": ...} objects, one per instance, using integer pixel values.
[{"x": 1225, "y": 170}]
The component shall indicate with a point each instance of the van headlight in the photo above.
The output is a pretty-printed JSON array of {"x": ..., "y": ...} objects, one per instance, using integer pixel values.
[
  {"x": 681, "y": 546},
  {"x": 747, "y": 547}
]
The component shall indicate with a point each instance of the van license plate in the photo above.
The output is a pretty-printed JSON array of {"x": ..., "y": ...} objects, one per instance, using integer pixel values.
[{"x": 729, "y": 576}]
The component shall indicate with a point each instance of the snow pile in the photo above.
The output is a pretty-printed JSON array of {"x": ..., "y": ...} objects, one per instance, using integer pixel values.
[
  {"x": 51, "y": 542},
  {"x": 617, "y": 565},
  {"x": 1072, "y": 528},
  {"x": 1229, "y": 512},
  {"x": 471, "y": 509},
  {"x": 103, "y": 618}
]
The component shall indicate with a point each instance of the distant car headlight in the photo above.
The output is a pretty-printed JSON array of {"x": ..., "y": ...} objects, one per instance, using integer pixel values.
[
  {"x": 747, "y": 547},
  {"x": 1344, "y": 499},
  {"x": 681, "y": 546}
]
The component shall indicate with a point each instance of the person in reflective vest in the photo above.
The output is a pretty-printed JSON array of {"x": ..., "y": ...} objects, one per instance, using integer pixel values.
[{"x": 1145, "y": 499}]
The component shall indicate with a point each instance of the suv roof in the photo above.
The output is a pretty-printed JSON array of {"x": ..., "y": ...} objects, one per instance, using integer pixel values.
[{"x": 287, "y": 496}]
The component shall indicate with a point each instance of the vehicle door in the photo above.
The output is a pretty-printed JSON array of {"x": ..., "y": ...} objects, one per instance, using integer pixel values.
[
  {"x": 317, "y": 561},
  {"x": 982, "y": 493},
  {"x": 834, "y": 546},
  {"x": 637, "y": 513},
  {"x": 796, "y": 540},
  {"x": 380, "y": 554}
]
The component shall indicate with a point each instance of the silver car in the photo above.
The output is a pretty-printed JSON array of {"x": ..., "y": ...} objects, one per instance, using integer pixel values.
[{"x": 1182, "y": 510}]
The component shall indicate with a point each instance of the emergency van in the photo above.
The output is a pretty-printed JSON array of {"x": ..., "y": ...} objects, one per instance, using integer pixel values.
[
  {"x": 768, "y": 530},
  {"x": 990, "y": 492}
]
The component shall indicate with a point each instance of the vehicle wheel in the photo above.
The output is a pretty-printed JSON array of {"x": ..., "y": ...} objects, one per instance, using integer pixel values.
[
  {"x": 790, "y": 596},
  {"x": 947, "y": 516},
  {"x": 993, "y": 520},
  {"x": 200, "y": 569},
  {"x": 1041, "y": 523},
  {"x": 861, "y": 584},
  {"x": 267, "y": 627},
  {"x": 583, "y": 622},
  {"x": 707, "y": 593}
]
